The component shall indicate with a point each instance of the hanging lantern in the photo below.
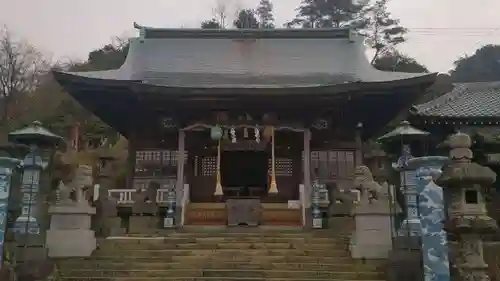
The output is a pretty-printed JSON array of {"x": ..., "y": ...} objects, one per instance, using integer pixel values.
[{"x": 216, "y": 132}]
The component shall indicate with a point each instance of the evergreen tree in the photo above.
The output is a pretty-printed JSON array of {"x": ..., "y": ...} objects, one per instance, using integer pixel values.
[
  {"x": 324, "y": 13},
  {"x": 246, "y": 19},
  {"x": 265, "y": 13},
  {"x": 382, "y": 32}
]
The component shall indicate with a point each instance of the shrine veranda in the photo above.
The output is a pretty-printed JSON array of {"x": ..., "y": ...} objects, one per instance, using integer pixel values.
[{"x": 272, "y": 97}]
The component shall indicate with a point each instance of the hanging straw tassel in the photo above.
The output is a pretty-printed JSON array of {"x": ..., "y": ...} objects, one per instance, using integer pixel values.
[
  {"x": 273, "y": 188},
  {"x": 218, "y": 185}
]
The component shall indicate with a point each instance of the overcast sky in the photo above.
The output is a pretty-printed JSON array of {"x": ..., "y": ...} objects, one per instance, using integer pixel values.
[{"x": 440, "y": 30}]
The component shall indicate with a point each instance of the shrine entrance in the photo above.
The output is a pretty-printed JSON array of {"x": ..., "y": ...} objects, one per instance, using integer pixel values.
[{"x": 244, "y": 173}]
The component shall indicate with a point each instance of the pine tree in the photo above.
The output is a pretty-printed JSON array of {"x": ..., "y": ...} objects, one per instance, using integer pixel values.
[
  {"x": 382, "y": 32},
  {"x": 265, "y": 13}
]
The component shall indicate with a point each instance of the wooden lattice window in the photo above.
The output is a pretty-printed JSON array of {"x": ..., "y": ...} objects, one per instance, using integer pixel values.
[
  {"x": 333, "y": 164},
  {"x": 284, "y": 167},
  {"x": 149, "y": 156},
  {"x": 208, "y": 166},
  {"x": 160, "y": 157},
  {"x": 170, "y": 157}
]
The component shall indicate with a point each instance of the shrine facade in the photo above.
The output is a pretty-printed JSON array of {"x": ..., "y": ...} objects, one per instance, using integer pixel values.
[{"x": 230, "y": 127}]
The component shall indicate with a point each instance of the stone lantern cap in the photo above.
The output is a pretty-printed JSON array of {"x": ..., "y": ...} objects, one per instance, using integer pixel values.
[
  {"x": 405, "y": 132},
  {"x": 35, "y": 134},
  {"x": 462, "y": 169},
  {"x": 459, "y": 140},
  {"x": 470, "y": 173},
  {"x": 471, "y": 225}
]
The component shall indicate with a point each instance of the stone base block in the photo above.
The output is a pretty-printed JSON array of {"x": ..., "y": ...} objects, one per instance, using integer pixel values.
[
  {"x": 71, "y": 242},
  {"x": 113, "y": 226},
  {"x": 30, "y": 253},
  {"x": 370, "y": 251},
  {"x": 407, "y": 243},
  {"x": 143, "y": 224},
  {"x": 372, "y": 238}
]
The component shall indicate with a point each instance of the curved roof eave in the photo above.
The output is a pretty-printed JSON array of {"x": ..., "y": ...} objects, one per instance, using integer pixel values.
[{"x": 94, "y": 79}]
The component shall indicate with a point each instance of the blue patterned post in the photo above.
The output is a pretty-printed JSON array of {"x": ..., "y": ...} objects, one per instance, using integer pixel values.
[
  {"x": 432, "y": 216},
  {"x": 169, "y": 220},
  {"x": 27, "y": 222},
  {"x": 404, "y": 134},
  {"x": 7, "y": 166},
  {"x": 317, "y": 220},
  {"x": 411, "y": 224}
]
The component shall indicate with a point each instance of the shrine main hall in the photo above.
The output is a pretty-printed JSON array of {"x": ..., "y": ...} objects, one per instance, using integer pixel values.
[{"x": 244, "y": 120}]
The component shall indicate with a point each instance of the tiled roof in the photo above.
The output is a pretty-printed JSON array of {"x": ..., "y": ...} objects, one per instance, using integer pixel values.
[
  {"x": 466, "y": 100},
  {"x": 262, "y": 59}
]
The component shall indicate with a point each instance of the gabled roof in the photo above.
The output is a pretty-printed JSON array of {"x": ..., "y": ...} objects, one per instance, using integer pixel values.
[
  {"x": 466, "y": 100},
  {"x": 253, "y": 58}
]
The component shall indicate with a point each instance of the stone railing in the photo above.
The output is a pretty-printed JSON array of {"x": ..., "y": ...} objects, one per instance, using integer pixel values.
[{"x": 125, "y": 196}]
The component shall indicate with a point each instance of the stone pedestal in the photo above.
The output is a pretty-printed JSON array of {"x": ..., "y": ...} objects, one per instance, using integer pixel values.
[
  {"x": 143, "y": 224},
  {"x": 372, "y": 238},
  {"x": 373, "y": 217},
  {"x": 70, "y": 234},
  {"x": 114, "y": 227}
]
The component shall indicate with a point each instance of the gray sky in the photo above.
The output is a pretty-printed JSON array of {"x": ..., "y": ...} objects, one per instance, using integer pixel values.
[{"x": 441, "y": 30}]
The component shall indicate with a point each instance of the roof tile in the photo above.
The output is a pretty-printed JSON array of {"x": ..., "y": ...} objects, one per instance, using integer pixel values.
[{"x": 466, "y": 100}]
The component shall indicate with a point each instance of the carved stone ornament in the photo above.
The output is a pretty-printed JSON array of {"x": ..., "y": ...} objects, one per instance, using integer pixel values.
[
  {"x": 364, "y": 182},
  {"x": 145, "y": 200}
]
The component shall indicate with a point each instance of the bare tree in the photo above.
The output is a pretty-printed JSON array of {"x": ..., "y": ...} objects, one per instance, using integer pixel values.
[{"x": 22, "y": 68}]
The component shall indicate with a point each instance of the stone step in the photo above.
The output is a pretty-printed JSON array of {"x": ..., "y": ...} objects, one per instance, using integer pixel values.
[
  {"x": 224, "y": 253},
  {"x": 221, "y": 245},
  {"x": 220, "y": 259},
  {"x": 226, "y": 239},
  {"x": 201, "y": 279},
  {"x": 154, "y": 265},
  {"x": 248, "y": 233},
  {"x": 224, "y": 273}
]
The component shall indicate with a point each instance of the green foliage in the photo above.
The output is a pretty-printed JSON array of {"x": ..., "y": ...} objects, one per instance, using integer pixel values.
[
  {"x": 395, "y": 61},
  {"x": 265, "y": 14},
  {"x": 324, "y": 13},
  {"x": 382, "y": 32},
  {"x": 482, "y": 66},
  {"x": 246, "y": 19},
  {"x": 211, "y": 24}
]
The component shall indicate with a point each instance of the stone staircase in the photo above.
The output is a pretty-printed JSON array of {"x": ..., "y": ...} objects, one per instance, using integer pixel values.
[{"x": 224, "y": 254}]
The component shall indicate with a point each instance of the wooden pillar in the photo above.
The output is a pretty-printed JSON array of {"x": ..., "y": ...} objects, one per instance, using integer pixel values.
[
  {"x": 180, "y": 165},
  {"x": 307, "y": 168},
  {"x": 359, "y": 145},
  {"x": 131, "y": 160},
  {"x": 179, "y": 186}
]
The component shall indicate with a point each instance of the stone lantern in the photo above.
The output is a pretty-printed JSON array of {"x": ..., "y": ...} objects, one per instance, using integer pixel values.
[
  {"x": 401, "y": 137},
  {"x": 28, "y": 225},
  {"x": 464, "y": 182}
]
